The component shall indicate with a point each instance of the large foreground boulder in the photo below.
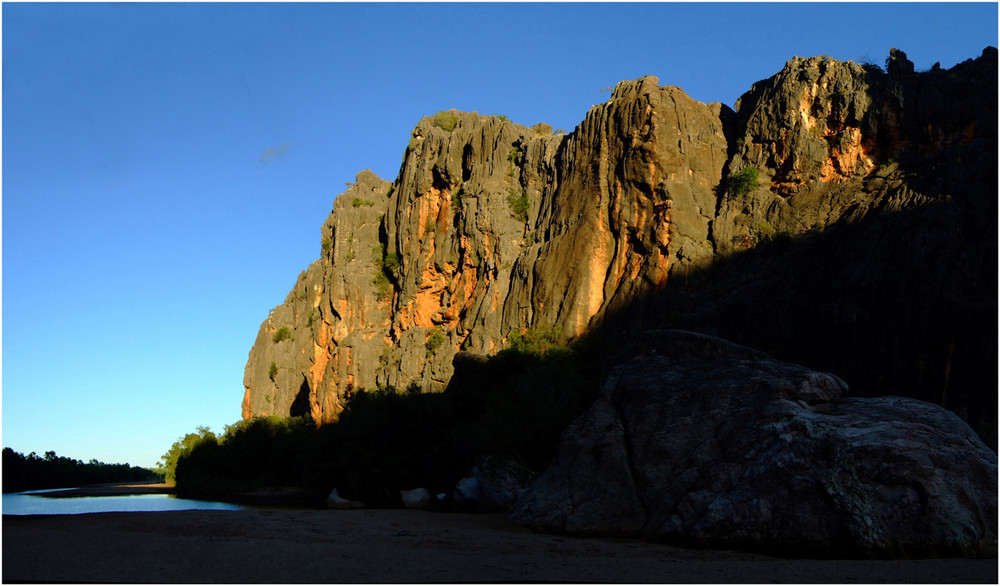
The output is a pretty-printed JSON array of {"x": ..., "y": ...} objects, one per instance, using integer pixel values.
[{"x": 702, "y": 442}]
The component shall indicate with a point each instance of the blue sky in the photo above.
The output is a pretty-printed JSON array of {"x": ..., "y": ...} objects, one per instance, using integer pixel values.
[{"x": 167, "y": 167}]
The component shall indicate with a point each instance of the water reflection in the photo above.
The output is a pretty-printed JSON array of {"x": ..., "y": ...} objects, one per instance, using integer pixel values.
[{"x": 29, "y": 503}]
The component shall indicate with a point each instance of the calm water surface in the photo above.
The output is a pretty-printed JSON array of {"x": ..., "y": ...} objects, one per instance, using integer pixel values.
[{"x": 29, "y": 503}]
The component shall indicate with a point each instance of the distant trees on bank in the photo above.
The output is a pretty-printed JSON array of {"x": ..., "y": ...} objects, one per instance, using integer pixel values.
[{"x": 34, "y": 472}]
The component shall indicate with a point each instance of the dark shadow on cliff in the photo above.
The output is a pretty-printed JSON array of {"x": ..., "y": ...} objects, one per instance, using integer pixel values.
[
  {"x": 898, "y": 296},
  {"x": 895, "y": 303},
  {"x": 300, "y": 406}
]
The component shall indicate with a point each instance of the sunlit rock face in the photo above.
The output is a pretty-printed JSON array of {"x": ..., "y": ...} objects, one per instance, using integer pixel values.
[
  {"x": 867, "y": 247},
  {"x": 831, "y": 138},
  {"x": 491, "y": 227},
  {"x": 699, "y": 441}
]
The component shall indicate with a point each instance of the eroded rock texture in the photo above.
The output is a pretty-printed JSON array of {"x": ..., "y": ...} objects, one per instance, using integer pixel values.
[
  {"x": 701, "y": 441},
  {"x": 490, "y": 228},
  {"x": 867, "y": 247}
]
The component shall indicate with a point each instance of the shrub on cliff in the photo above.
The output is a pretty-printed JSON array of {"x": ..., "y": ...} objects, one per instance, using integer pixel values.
[
  {"x": 743, "y": 182},
  {"x": 517, "y": 199},
  {"x": 391, "y": 263},
  {"x": 434, "y": 342},
  {"x": 387, "y": 264},
  {"x": 382, "y": 286},
  {"x": 283, "y": 333},
  {"x": 445, "y": 121},
  {"x": 542, "y": 128},
  {"x": 535, "y": 341},
  {"x": 766, "y": 230}
]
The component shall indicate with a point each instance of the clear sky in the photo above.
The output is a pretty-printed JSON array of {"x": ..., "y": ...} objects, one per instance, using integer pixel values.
[{"x": 167, "y": 167}]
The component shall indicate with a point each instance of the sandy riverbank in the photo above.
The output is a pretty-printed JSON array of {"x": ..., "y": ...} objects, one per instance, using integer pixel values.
[
  {"x": 299, "y": 546},
  {"x": 111, "y": 490}
]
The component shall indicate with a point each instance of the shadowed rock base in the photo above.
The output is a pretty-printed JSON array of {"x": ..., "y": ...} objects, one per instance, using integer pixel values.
[{"x": 701, "y": 441}]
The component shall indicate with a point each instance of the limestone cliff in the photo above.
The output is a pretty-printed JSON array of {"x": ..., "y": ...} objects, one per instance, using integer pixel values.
[{"x": 492, "y": 227}]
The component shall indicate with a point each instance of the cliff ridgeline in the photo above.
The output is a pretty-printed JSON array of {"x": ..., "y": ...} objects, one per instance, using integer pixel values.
[{"x": 843, "y": 216}]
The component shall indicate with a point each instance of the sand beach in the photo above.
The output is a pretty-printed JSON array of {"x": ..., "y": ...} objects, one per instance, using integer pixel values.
[{"x": 394, "y": 546}]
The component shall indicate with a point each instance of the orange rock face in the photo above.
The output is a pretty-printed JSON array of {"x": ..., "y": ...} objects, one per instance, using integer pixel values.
[
  {"x": 492, "y": 237},
  {"x": 491, "y": 227}
]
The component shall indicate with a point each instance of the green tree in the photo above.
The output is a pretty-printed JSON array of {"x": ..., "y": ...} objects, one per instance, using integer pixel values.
[{"x": 183, "y": 447}]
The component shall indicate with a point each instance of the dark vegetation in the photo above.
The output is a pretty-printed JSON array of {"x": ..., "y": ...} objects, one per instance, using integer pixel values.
[
  {"x": 512, "y": 406},
  {"x": 33, "y": 472},
  {"x": 434, "y": 342},
  {"x": 282, "y": 334},
  {"x": 387, "y": 266},
  {"x": 743, "y": 182},
  {"x": 517, "y": 199}
]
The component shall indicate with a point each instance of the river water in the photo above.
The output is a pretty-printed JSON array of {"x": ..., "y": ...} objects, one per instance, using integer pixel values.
[{"x": 30, "y": 503}]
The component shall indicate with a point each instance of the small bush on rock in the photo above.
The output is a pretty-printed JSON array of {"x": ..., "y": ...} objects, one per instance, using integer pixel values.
[
  {"x": 434, "y": 342},
  {"x": 445, "y": 121},
  {"x": 383, "y": 287},
  {"x": 536, "y": 341},
  {"x": 743, "y": 182},
  {"x": 542, "y": 128},
  {"x": 517, "y": 199},
  {"x": 282, "y": 334},
  {"x": 766, "y": 230}
]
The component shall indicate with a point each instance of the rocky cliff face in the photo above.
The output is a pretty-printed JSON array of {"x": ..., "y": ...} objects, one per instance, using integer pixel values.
[
  {"x": 869, "y": 250},
  {"x": 490, "y": 228},
  {"x": 827, "y": 169}
]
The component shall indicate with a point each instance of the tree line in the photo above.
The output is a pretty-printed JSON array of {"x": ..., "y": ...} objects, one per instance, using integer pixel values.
[
  {"x": 33, "y": 472},
  {"x": 510, "y": 407}
]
